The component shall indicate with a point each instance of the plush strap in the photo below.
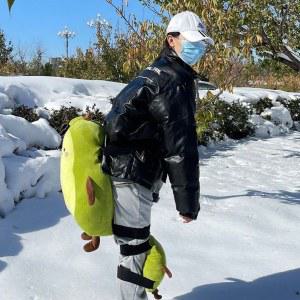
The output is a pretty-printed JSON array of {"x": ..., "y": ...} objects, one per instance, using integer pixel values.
[
  {"x": 126, "y": 275},
  {"x": 131, "y": 232},
  {"x": 129, "y": 250}
]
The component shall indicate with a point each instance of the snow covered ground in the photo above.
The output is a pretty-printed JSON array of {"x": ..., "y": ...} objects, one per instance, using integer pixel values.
[{"x": 244, "y": 246}]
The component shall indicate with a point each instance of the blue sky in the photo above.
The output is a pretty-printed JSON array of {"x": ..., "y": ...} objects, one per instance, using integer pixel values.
[{"x": 36, "y": 22}]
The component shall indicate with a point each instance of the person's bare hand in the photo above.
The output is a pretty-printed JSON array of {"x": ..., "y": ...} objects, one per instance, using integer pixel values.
[
  {"x": 185, "y": 219},
  {"x": 87, "y": 116}
]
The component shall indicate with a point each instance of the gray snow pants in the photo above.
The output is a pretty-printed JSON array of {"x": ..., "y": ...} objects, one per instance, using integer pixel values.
[{"x": 133, "y": 204}]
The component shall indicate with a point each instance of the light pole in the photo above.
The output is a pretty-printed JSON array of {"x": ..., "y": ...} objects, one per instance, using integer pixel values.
[
  {"x": 99, "y": 24},
  {"x": 66, "y": 34}
]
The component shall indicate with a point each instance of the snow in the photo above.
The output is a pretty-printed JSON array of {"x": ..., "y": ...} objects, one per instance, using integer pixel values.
[
  {"x": 24, "y": 170},
  {"x": 281, "y": 122},
  {"x": 36, "y": 133},
  {"x": 244, "y": 244},
  {"x": 252, "y": 95},
  {"x": 20, "y": 175},
  {"x": 27, "y": 177},
  {"x": 264, "y": 128},
  {"x": 279, "y": 116},
  {"x": 52, "y": 92},
  {"x": 4, "y": 101}
]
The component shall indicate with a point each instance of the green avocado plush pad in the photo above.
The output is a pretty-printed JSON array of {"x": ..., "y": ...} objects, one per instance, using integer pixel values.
[
  {"x": 80, "y": 159},
  {"x": 154, "y": 264}
]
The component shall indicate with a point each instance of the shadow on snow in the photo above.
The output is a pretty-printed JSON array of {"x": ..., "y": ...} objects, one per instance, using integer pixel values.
[
  {"x": 29, "y": 215},
  {"x": 279, "y": 286},
  {"x": 281, "y": 195}
]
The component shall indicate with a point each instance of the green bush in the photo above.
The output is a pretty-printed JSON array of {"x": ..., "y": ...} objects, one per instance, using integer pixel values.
[
  {"x": 233, "y": 119},
  {"x": 206, "y": 122},
  {"x": 59, "y": 119},
  {"x": 95, "y": 114},
  {"x": 261, "y": 105},
  {"x": 216, "y": 118}
]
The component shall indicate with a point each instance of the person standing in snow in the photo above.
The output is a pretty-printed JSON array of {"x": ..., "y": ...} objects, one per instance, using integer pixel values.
[{"x": 151, "y": 134}]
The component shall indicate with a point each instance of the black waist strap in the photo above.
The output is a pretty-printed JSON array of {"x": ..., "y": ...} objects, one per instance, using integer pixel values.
[
  {"x": 129, "y": 250},
  {"x": 131, "y": 232},
  {"x": 126, "y": 275}
]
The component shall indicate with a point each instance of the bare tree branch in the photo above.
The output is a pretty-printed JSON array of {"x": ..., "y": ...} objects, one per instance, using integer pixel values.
[
  {"x": 294, "y": 58},
  {"x": 287, "y": 57},
  {"x": 120, "y": 12},
  {"x": 267, "y": 40},
  {"x": 150, "y": 7},
  {"x": 284, "y": 14}
]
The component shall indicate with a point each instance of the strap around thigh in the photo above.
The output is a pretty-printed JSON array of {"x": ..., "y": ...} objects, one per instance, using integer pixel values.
[
  {"x": 129, "y": 250},
  {"x": 131, "y": 232},
  {"x": 126, "y": 275}
]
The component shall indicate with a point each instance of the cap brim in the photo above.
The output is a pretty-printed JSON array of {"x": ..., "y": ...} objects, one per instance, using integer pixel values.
[{"x": 197, "y": 36}]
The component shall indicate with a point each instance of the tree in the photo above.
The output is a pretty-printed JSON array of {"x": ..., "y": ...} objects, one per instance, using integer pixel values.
[
  {"x": 142, "y": 41},
  {"x": 5, "y": 55},
  {"x": 20, "y": 64},
  {"x": 271, "y": 27},
  {"x": 36, "y": 64},
  {"x": 5, "y": 49},
  {"x": 146, "y": 39}
]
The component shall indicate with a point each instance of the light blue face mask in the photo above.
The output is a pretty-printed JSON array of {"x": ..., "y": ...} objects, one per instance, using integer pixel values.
[{"x": 191, "y": 52}]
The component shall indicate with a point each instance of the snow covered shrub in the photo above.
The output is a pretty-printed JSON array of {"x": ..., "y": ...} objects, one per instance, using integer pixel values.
[
  {"x": 233, "y": 119},
  {"x": 25, "y": 112},
  {"x": 216, "y": 118},
  {"x": 211, "y": 133},
  {"x": 262, "y": 104},
  {"x": 294, "y": 107},
  {"x": 279, "y": 115},
  {"x": 206, "y": 125},
  {"x": 60, "y": 118},
  {"x": 94, "y": 113}
]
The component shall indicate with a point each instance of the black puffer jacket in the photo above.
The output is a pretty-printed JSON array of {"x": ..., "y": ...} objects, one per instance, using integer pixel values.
[{"x": 151, "y": 131}]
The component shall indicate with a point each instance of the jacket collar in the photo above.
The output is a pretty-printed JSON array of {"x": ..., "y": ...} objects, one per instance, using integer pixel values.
[{"x": 172, "y": 56}]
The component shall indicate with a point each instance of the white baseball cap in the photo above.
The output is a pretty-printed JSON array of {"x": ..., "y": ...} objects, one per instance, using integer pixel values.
[{"x": 190, "y": 26}]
